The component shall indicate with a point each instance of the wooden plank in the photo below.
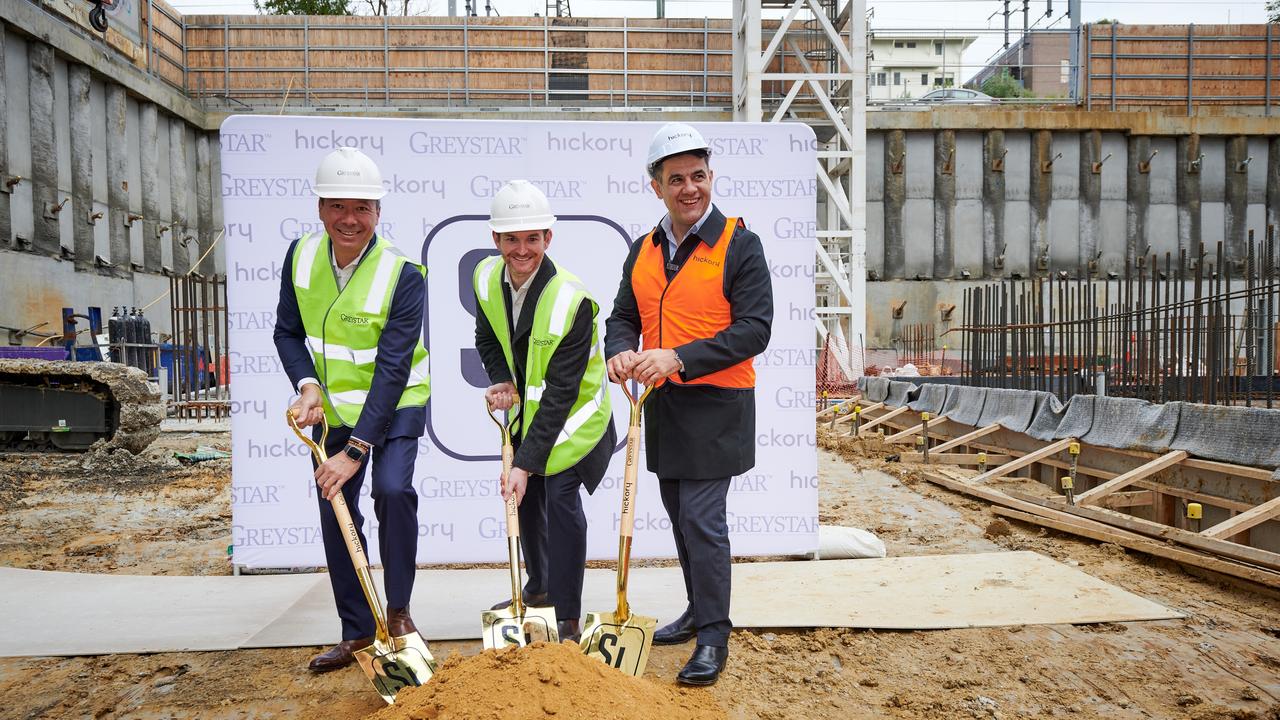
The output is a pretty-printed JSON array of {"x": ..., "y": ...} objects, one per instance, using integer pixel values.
[
  {"x": 848, "y": 417},
  {"x": 1159, "y": 531},
  {"x": 1192, "y": 495},
  {"x": 955, "y": 458},
  {"x": 1025, "y": 460},
  {"x": 1102, "y": 533},
  {"x": 1150, "y": 468},
  {"x": 1268, "y": 510},
  {"x": 967, "y": 438},
  {"x": 913, "y": 431},
  {"x": 1136, "y": 498},
  {"x": 883, "y": 418}
]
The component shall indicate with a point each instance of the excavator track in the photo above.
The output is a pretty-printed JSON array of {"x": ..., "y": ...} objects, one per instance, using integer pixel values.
[{"x": 74, "y": 406}]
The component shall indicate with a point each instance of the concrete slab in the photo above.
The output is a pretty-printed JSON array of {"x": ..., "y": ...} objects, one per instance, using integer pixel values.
[{"x": 51, "y": 613}]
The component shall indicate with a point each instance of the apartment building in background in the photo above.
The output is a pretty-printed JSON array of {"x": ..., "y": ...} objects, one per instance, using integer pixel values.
[
  {"x": 905, "y": 65},
  {"x": 1041, "y": 60}
]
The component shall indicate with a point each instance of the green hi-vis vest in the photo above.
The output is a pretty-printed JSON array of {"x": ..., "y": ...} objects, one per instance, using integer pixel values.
[
  {"x": 343, "y": 326},
  {"x": 552, "y": 319}
]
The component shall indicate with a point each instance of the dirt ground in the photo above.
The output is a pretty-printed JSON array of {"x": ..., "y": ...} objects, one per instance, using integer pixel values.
[{"x": 114, "y": 515}]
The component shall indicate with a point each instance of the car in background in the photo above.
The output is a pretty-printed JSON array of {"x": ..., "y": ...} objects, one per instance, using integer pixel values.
[{"x": 956, "y": 95}]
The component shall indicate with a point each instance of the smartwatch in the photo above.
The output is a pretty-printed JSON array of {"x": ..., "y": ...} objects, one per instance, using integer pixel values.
[{"x": 355, "y": 452}]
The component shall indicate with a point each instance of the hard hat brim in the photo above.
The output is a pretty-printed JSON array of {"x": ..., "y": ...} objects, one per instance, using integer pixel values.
[
  {"x": 538, "y": 222},
  {"x": 334, "y": 192}
]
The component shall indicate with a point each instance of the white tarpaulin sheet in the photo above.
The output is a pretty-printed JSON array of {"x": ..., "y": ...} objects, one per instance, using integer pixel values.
[{"x": 441, "y": 175}]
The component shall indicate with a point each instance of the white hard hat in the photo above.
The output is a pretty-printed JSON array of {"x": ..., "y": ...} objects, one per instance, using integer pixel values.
[
  {"x": 348, "y": 173},
  {"x": 520, "y": 205},
  {"x": 673, "y": 139}
]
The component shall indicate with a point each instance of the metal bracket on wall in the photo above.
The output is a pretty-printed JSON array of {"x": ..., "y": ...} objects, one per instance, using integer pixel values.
[
  {"x": 130, "y": 218},
  {"x": 897, "y": 308},
  {"x": 945, "y": 310},
  {"x": 948, "y": 166},
  {"x": 94, "y": 217},
  {"x": 1193, "y": 167},
  {"x": 895, "y": 164},
  {"x": 1242, "y": 167},
  {"x": 1046, "y": 166},
  {"x": 1144, "y": 166},
  {"x": 9, "y": 182},
  {"x": 997, "y": 163},
  {"x": 1097, "y": 167},
  {"x": 52, "y": 210}
]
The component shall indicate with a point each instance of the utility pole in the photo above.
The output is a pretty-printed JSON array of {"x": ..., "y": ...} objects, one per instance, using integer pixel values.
[
  {"x": 662, "y": 9},
  {"x": 1073, "y": 13},
  {"x": 1022, "y": 44}
]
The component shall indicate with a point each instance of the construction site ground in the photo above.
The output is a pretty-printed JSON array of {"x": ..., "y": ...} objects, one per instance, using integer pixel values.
[{"x": 150, "y": 515}]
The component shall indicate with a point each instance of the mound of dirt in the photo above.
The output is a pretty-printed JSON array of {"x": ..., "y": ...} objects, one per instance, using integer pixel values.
[{"x": 544, "y": 681}]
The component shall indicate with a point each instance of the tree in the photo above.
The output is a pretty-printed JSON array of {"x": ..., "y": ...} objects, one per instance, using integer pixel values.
[
  {"x": 1004, "y": 85},
  {"x": 303, "y": 7},
  {"x": 1273, "y": 11}
]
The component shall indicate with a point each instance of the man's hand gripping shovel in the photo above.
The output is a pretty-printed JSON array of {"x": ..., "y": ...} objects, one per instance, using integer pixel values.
[
  {"x": 622, "y": 639},
  {"x": 516, "y": 624},
  {"x": 391, "y": 663}
]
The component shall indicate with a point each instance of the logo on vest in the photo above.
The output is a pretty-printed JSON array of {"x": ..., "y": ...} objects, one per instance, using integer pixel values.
[
  {"x": 353, "y": 319},
  {"x": 707, "y": 260},
  {"x": 543, "y": 342}
]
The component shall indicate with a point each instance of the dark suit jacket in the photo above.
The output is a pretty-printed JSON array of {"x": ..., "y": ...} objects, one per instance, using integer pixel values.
[
  {"x": 379, "y": 419},
  {"x": 564, "y": 376},
  {"x": 699, "y": 431}
]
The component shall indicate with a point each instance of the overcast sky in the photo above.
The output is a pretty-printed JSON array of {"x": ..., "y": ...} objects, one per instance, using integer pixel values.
[{"x": 888, "y": 14}]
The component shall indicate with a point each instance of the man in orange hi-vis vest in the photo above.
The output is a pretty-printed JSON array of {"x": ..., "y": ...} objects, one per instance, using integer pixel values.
[{"x": 697, "y": 301}]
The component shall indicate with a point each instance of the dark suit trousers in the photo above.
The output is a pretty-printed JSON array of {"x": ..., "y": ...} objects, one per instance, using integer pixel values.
[
  {"x": 697, "y": 511},
  {"x": 554, "y": 538},
  {"x": 395, "y": 504}
]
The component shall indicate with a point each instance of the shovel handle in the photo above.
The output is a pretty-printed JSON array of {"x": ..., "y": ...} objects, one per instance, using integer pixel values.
[
  {"x": 350, "y": 534},
  {"x": 512, "y": 510},
  {"x": 630, "y": 485}
]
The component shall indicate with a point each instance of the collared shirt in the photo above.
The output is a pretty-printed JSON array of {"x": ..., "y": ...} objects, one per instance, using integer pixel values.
[
  {"x": 673, "y": 243},
  {"x": 343, "y": 274},
  {"x": 518, "y": 294}
]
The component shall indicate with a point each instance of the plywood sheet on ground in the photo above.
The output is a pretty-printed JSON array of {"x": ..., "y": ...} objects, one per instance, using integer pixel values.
[{"x": 51, "y": 613}]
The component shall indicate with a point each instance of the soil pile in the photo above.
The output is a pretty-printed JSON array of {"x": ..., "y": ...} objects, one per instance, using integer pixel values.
[{"x": 544, "y": 681}]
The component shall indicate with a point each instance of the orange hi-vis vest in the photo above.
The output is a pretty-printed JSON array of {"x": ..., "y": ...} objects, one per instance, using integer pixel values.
[{"x": 690, "y": 307}]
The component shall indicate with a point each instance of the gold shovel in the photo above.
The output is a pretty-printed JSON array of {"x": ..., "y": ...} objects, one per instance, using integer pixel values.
[
  {"x": 622, "y": 639},
  {"x": 514, "y": 625},
  {"x": 391, "y": 663}
]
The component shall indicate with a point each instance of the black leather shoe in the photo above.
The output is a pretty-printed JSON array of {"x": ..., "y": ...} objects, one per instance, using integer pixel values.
[
  {"x": 338, "y": 656},
  {"x": 682, "y": 630},
  {"x": 569, "y": 630},
  {"x": 539, "y": 600},
  {"x": 705, "y": 666}
]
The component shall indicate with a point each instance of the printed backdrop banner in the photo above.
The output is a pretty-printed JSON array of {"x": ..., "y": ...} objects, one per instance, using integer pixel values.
[{"x": 441, "y": 175}]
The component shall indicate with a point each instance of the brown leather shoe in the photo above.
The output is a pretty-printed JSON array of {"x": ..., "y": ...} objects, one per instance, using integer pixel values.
[
  {"x": 399, "y": 623},
  {"x": 338, "y": 656}
]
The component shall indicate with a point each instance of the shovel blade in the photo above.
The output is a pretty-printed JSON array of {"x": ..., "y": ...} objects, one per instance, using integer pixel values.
[
  {"x": 395, "y": 664},
  {"x": 504, "y": 628},
  {"x": 621, "y": 643}
]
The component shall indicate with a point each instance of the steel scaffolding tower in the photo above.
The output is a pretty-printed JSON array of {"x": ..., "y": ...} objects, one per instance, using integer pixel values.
[{"x": 815, "y": 66}]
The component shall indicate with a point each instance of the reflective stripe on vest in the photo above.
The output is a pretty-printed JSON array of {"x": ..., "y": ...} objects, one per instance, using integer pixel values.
[
  {"x": 343, "y": 326},
  {"x": 690, "y": 307},
  {"x": 552, "y": 319}
]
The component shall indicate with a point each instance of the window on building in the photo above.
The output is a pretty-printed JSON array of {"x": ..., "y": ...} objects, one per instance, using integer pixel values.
[
  {"x": 881, "y": 79},
  {"x": 911, "y": 45},
  {"x": 937, "y": 80},
  {"x": 924, "y": 79},
  {"x": 899, "y": 44},
  {"x": 897, "y": 78},
  {"x": 937, "y": 47}
]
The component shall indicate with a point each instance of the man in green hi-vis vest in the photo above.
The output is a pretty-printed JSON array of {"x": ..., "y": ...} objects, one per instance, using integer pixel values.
[
  {"x": 536, "y": 335},
  {"x": 348, "y": 330}
]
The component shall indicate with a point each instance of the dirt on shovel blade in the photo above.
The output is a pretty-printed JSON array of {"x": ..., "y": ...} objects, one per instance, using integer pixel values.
[{"x": 545, "y": 681}]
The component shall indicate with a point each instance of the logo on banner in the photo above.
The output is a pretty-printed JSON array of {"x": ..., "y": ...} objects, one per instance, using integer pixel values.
[
  {"x": 424, "y": 143},
  {"x": 241, "y": 231},
  {"x": 257, "y": 273},
  {"x": 254, "y": 364},
  {"x": 244, "y": 186},
  {"x": 483, "y": 186},
  {"x": 577, "y": 142},
  {"x": 253, "y": 320},
  {"x": 291, "y": 536},
  {"x": 789, "y": 398},
  {"x": 792, "y": 270},
  {"x": 726, "y": 186},
  {"x": 787, "y": 357},
  {"x": 255, "y": 495},
  {"x": 785, "y": 228},
  {"x": 470, "y": 238},
  {"x": 333, "y": 140},
  {"x": 772, "y": 524},
  {"x": 245, "y": 142},
  {"x": 736, "y": 146},
  {"x": 292, "y": 228}
]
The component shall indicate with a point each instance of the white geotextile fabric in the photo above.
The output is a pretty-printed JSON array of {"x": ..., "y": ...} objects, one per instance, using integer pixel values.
[{"x": 836, "y": 542}]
